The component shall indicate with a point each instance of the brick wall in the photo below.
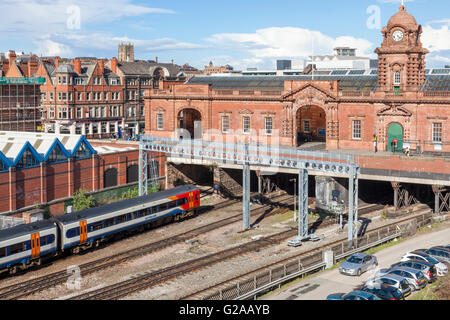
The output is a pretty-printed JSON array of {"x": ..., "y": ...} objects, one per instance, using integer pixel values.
[{"x": 47, "y": 182}]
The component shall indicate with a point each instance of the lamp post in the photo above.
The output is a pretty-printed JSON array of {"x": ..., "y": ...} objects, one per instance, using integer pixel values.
[{"x": 295, "y": 197}]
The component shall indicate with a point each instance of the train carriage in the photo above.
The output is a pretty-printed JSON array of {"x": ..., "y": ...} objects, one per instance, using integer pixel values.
[
  {"x": 87, "y": 228},
  {"x": 28, "y": 244}
]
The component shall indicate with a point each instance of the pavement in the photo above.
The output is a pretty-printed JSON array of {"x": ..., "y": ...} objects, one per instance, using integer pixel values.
[{"x": 318, "y": 287}]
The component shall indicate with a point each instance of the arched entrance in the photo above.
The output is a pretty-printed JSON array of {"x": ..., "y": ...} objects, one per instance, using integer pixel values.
[
  {"x": 190, "y": 120},
  {"x": 311, "y": 125},
  {"x": 395, "y": 133}
]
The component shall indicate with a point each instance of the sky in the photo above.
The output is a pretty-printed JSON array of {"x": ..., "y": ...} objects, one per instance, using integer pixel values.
[{"x": 242, "y": 33}]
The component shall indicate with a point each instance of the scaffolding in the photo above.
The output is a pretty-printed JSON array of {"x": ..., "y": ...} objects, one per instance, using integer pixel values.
[{"x": 260, "y": 156}]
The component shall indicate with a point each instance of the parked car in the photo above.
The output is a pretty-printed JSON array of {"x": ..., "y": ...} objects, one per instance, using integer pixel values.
[
  {"x": 415, "y": 278},
  {"x": 385, "y": 292},
  {"x": 354, "y": 295},
  {"x": 392, "y": 280},
  {"x": 441, "y": 268},
  {"x": 428, "y": 269},
  {"x": 438, "y": 253},
  {"x": 357, "y": 264}
]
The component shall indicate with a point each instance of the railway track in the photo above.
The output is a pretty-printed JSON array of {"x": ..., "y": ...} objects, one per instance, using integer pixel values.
[
  {"x": 29, "y": 287},
  {"x": 127, "y": 287},
  {"x": 205, "y": 292}
]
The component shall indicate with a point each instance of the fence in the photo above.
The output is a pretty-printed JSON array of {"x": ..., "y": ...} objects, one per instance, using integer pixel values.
[{"x": 312, "y": 262}]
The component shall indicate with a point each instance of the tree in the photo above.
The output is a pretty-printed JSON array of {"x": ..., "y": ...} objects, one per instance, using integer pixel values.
[{"x": 82, "y": 201}]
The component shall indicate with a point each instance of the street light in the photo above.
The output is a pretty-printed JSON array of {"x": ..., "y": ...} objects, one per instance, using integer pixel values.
[{"x": 295, "y": 197}]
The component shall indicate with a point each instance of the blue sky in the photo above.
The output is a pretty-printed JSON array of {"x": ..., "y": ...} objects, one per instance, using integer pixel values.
[{"x": 245, "y": 33}]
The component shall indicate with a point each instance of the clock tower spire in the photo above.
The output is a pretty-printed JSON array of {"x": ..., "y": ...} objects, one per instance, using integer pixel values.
[{"x": 401, "y": 57}]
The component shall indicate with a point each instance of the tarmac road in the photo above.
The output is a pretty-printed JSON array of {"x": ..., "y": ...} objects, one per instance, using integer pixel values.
[{"x": 318, "y": 287}]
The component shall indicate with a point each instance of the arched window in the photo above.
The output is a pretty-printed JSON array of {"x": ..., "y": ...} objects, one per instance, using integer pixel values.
[{"x": 397, "y": 77}]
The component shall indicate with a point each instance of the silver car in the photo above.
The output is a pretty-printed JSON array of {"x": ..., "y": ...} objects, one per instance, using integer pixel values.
[
  {"x": 415, "y": 278},
  {"x": 357, "y": 264},
  {"x": 392, "y": 280},
  {"x": 439, "y": 253},
  {"x": 441, "y": 268},
  {"x": 428, "y": 269}
]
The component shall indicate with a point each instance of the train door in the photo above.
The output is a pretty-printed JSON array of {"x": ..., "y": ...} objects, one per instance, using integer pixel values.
[
  {"x": 83, "y": 232},
  {"x": 191, "y": 200},
  {"x": 35, "y": 245}
]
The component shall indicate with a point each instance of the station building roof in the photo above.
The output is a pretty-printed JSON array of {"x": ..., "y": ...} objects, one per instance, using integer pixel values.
[
  {"x": 29, "y": 149},
  {"x": 348, "y": 79}
]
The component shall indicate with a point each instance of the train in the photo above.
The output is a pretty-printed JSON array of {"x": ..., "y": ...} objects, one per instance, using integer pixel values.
[{"x": 27, "y": 245}]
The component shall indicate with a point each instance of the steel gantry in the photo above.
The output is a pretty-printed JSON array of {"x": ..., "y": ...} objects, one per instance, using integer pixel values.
[{"x": 264, "y": 157}]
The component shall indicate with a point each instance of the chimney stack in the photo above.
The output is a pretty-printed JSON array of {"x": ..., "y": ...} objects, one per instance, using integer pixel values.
[
  {"x": 114, "y": 64},
  {"x": 77, "y": 66},
  {"x": 156, "y": 59},
  {"x": 12, "y": 56},
  {"x": 101, "y": 65},
  {"x": 56, "y": 63}
]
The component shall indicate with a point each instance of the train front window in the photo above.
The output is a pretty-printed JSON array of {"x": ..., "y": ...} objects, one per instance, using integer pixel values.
[{"x": 2, "y": 252}]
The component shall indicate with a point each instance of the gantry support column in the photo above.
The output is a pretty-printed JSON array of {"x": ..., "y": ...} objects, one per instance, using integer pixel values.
[
  {"x": 143, "y": 183},
  {"x": 396, "y": 187},
  {"x": 246, "y": 191},
  {"x": 441, "y": 202},
  {"x": 303, "y": 204},
  {"x": 353, "y": 204}
]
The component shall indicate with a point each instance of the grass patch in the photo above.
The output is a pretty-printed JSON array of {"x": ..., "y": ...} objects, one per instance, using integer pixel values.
[
  {"x": 434, "y": 290},
  {"x": 425, "y": 229},
  {"x": 384, "y": 246}
]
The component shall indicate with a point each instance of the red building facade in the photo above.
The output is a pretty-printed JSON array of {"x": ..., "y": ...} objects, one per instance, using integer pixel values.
[{"x": 401, "y": 104}]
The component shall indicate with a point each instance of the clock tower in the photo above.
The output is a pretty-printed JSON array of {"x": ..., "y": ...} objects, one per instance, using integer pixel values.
[{"x": 401, "y": 57}]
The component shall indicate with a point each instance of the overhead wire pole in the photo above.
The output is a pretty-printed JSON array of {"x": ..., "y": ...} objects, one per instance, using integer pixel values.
[
  {"x": 246, "y": 189},
  {"x": 353, "y": 204},
  {"x": 303, "y": 204}
]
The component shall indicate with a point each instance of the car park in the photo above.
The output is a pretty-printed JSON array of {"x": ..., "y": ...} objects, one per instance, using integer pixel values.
[
  {"x": 392, "y": 280},
  {"x": 354, "y": 295},
  {"x": 357, "y": 264},
  {"x": 428, "y": 269},
  {"x": 415, "y": 278},
  {"x": 441, "y": 268},
  {"x": 385, "y": 292}
]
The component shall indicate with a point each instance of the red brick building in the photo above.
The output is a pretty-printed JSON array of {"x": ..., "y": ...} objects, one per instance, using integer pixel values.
[
  {"x": 42, "y": 169},
  {"x": 400, "y": 102}
]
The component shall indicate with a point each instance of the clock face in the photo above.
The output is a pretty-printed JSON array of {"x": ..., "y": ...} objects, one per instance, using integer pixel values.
[{"x": 397, "y": 36}]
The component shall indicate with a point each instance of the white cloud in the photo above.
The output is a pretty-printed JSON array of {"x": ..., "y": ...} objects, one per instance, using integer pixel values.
[
  {"x": 437, "y": 39},
  {"x": 266, "y": 45},
  {"x": 47, "y": 47},
  {"x": 73, "y": 44},
  {"x": 43, "y": 16}
]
